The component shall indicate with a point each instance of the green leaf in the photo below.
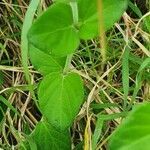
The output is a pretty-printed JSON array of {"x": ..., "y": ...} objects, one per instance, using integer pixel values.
[
  {"x": 1, "y": 78},
  {"x": 135, "y": 9},
  {"x": 88, "y": 18},
  {"x": 125, "y": 75},
  {"x": 9, "y": 105},
  {"x": 99, "y": 125},
  {"x": 60, "y": 98},
  {"x": 48, "y": 137},
  {"x": 147, "y": 23},
  {"x": 1, "y": 114},
  {"x": 28, "y": 144},
  {"x": 139, "y": 79},
  {"x": 45, "y": 63},
  {"x": 54, "y": 32},
  {"x": 112, "y": 11},
  {"x": 97, "y": 132},
  {"x": 97, "y": 106},
  {"x": 59, "y": 29},
  {"x": 134, "y": 132}
]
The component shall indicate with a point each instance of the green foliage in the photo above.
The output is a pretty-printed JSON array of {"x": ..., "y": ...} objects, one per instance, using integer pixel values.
[
  {"x": 54, "y": 32},
  {"x": 48, "y": 137},
  {"x": 89, "y": 18},
  {"x": 99, "y": 124},
  {"x": 1, "y": 78},
  {"x": 69, "y": 23},
  {"x": 60, "y": 97},
  {"x": 46, "y": 119},
  {"x": 147, "y": 23},
  {"x": 44, "y": 62},
  {"x": 139, "y": 78},
  {"x": 125, "y": 75},
  {"x": 8, "y": 104},
  {"x": 54, "y": 36},
  {"x": 134, "y": 132}
]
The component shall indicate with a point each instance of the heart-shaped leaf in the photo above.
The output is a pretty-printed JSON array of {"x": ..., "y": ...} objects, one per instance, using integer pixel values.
[
  {"x": 60, "y": 98},
  {"x": 48, "y": 137},
  {"x": 56, "y": 33},
  {"x": 134, "y": 132},
  {"x": 45, "y": 63}
]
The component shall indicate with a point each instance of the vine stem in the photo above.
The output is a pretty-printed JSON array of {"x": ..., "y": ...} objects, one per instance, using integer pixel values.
[
  {"x": 67, "y": 64},
  {"x": 74, "y": 8}
]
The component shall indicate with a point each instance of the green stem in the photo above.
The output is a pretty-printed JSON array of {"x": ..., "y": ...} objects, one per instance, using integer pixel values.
[
  {"x": 68, "y": 62},
  {"x": 74, "y": 8}
]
